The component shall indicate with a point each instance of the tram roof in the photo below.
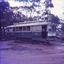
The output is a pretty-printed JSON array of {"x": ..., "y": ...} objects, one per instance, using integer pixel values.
[{"x": 29, "y": 24}]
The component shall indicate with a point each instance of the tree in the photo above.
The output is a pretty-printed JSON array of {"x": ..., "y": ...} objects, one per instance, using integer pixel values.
[
  {"x": 28, "y": 0},
  {"x": 53, "y": 19},
  {"x": 48, "y": 3},
  {"x": 3, "y": 7},
  {"x": 62, "y": 29}
]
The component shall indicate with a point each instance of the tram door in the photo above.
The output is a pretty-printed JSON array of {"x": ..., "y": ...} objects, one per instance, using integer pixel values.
[{"x": 44, "y": 31}]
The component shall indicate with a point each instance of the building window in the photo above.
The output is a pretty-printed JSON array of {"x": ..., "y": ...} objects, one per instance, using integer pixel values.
[{"x": 28, "y": 28}]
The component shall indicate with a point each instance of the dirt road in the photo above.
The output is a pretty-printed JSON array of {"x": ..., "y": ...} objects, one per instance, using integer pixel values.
[{"x": 24, "y": 53}]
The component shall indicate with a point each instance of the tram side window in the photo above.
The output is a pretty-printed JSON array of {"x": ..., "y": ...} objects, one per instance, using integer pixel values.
[
  {"x": 17, "y": 28},
  {"x": 24, "y": 28},
  {"x": 7, "y": 29},
  {"x": 13, "y": 29},
  {"x": 28, "y": 28},
  {"x": 50, "y": 30},
  {"x": 20, "y": 28}
]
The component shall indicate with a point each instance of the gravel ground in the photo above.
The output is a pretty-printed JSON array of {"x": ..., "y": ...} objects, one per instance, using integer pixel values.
[{"x": 12, "y": 52}]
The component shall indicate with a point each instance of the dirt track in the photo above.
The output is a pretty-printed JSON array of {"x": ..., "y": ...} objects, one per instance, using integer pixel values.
[{"x": 24, "y": 53}]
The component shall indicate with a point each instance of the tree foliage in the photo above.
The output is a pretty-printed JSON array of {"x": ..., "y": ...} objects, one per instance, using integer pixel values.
[
  {"x": 53, "y": 19},
  {"x": 62, "y": 27},
  {"x": 48, "y": 3},
  {"x": 28, "y": 0},
  {"x": 3, "y": 7}
]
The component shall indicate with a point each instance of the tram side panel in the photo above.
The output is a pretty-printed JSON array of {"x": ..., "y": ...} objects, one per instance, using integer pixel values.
[
  {"x": 9, "y": 33},
  {"x": 39, "y": 32},
  {"x": 36, "y": 32},
  {"x": 51, "y": 32},
  {"x": 18, "y": 34}
]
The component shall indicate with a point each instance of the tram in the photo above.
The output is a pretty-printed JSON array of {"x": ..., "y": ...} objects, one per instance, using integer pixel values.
[{"x": 39, "y": 31}]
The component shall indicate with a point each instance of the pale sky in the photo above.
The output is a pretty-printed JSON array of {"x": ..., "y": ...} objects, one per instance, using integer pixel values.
[{"x": 57, "y": 10}]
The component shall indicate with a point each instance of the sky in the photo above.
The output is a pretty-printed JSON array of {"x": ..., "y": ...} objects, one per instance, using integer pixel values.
[{"x": 57, "y": 10}]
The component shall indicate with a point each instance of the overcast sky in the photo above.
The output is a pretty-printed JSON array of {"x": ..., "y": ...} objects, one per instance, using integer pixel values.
[{"x": 57, "y": 10}]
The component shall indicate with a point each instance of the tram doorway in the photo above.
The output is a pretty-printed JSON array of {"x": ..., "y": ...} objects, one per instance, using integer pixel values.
[{"x": 44, "y": 31}]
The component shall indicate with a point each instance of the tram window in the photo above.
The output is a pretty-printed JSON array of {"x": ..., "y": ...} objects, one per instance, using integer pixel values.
[
  {"x": 13, "y": 29},
  {"x": 20, "y": 28},
  {"x": 16, "y": 28},
  {"x": 28, "y": 28},
  {"x": 50, "y": 30},
  {"x": 7, "y": 29},
  {"x": 24, "y": 28}
]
